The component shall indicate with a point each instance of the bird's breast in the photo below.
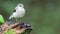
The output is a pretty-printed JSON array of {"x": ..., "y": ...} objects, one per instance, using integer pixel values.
[{"x": 20, "y": 14}]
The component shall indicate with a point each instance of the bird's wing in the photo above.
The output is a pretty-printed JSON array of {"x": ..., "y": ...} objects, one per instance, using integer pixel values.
[
  {"x": 13, "y": 15},
  {"x": 10, "y": 17}
]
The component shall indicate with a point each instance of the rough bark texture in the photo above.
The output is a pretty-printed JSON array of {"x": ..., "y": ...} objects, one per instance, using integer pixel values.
[{"x": 17, "y": 29}]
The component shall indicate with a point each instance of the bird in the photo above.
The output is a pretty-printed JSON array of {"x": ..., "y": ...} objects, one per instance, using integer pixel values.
[{"x": 19, "y": 12}]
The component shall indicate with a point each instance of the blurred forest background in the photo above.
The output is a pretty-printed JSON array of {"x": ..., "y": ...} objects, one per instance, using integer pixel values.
[{"x": 43, "y": 15}]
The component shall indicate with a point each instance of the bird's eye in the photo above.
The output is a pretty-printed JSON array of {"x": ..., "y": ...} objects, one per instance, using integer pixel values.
[{"x": 20, "y": 6}]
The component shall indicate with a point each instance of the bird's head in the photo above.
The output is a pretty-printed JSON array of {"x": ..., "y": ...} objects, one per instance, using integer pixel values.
[{"x": 20, "y": 5}]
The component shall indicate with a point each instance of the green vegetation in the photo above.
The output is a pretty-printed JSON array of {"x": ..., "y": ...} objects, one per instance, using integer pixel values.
[
  {"x": 1, "y": 19},
  {"x": 10, "y": 32}
]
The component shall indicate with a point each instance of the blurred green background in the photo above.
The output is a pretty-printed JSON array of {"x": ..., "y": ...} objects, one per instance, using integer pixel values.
[{"x": 43, "y": 15}]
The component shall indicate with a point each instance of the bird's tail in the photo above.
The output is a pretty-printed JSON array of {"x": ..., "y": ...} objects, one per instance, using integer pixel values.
[{"x": 10, "y": 17}]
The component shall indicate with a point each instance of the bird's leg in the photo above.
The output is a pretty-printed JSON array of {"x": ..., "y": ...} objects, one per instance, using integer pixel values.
[
  {"x": 20, "y": 20},
  {"x": 16, "y": 19}
]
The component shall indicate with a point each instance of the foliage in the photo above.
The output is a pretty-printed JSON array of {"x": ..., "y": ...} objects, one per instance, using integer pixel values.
[{"x": 1, "y": 19}]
